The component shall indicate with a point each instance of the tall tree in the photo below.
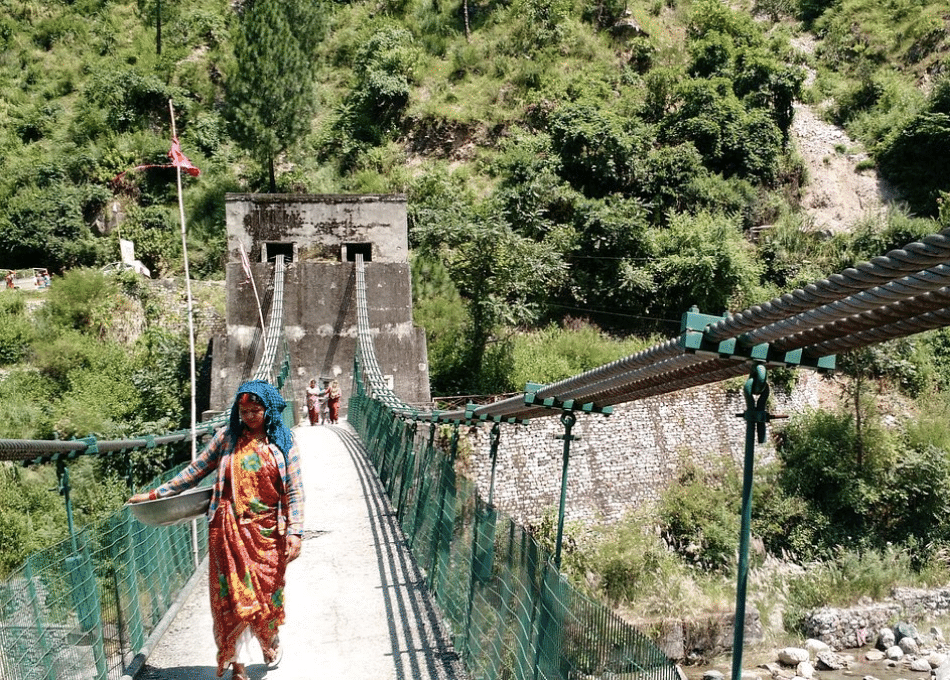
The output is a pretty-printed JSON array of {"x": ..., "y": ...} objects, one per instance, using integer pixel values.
[{"x": 270, "y": 90}]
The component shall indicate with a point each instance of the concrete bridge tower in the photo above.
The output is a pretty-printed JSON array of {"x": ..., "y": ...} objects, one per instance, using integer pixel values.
[{"x": 319, "y": 235}]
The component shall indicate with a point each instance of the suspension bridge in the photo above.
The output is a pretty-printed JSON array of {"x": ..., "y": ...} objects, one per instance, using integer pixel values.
[{"x": 460, "y": 589}]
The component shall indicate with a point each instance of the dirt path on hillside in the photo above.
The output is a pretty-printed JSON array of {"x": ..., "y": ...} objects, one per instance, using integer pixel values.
[{"x": 836, "y": 194}]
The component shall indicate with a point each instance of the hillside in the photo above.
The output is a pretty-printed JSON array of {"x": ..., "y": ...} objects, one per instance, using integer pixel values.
[{"x": 563, "y": 159}]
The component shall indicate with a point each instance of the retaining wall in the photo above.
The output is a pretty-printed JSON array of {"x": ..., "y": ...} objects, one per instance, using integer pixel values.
[{"x": 624, "y": 460}]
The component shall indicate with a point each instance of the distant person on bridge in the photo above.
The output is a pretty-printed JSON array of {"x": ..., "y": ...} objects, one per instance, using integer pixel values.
[
  {"x": 333, "y": 401},
  {"x": 256, "y": 523},
  {"x": 314, "y": 401}
]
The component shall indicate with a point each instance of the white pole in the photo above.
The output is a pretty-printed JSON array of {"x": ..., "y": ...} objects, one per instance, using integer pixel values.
[
  {"x": 250, "y": 275},
  {"x": 191, "y": 334}
]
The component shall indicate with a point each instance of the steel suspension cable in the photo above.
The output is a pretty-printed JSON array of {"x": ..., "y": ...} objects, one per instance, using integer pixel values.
[{"x": 930, "y": 251}]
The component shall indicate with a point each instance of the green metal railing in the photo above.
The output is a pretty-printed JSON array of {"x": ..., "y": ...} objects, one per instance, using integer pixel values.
[
  {"x": 83, "y": 607},
  {"x": 512, "y": 614}
]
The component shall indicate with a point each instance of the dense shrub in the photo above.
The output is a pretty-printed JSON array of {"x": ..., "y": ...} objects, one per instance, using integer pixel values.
[
  {"x": 917, "y": 160},
  {"x": 703, "y": 533},
  {"x": 78, "y": 299},
  {"x": 16, "y": 329},
  {"x": 597, "y": 149}
]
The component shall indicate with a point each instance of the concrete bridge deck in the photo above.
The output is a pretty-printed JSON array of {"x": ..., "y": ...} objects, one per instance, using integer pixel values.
[{"x": 357, "y": 605}]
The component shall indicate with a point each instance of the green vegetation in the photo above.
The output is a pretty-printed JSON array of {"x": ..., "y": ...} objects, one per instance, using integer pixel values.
[
  {"x": 573, "y": 186},
  {"x": 98, "y": 358}
]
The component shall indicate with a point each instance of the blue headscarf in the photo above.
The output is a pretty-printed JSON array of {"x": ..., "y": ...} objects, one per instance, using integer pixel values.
[{"x": 274, "y": 406}]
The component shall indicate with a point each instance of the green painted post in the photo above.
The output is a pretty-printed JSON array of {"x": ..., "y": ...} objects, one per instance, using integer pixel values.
[
  {"x": 423, "y": 484},
  {"x": 755, "y": 417},
  {"x": 409, "y": 460},
  {"x": 47, "y": 656},
  {"x": 127, "y": 562},
  {"x": 567, "y": 419},
  {"x": 494, "y": 438},
  {"x": 62, "y": 473}
]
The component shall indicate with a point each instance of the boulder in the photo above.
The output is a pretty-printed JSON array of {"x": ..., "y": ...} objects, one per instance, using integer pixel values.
[
  {"x": 894, "y": 653},
  {"x": 920, "y": 665},
  {"x": 909, "y": 645},
  {"x": 830, "y": 661},
  {"x": 805, "y": 670},
  {"x": 792, "y": 656}
]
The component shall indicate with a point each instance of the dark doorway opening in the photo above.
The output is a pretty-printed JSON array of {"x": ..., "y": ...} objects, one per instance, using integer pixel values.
[
  {"x": 350, "y": 250},
  {"x": 272, "y": 250}
]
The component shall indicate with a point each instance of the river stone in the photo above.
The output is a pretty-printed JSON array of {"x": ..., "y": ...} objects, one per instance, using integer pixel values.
[
  {"x": 874, "y": 655},
  {"x": 776, "y": 671},
  {"x": 894, "y": 653},
  {"x": 936, "y": 659},
  {"x": 792, "y": 656},
  {"x": 815, "y": 646},
  {"x": 713, "y": 675},
  {"x": 805, "y": 669},
  {"x": 885, "y": 639},
  {"x": 937, "y": 634},
  {"x": 942, "y": 672},
  {"x": 830, "y": 661},
  {"x": 869, "y": 677},
  {"x": 903, "y": 630},
  {"x": 920, "y": 665},
  {"x": 750, "y": 675},
  {"x": 908, "y": 645}
]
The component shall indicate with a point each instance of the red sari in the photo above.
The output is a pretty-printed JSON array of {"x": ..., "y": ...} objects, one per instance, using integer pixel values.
[{"x": 246, "y": 553}]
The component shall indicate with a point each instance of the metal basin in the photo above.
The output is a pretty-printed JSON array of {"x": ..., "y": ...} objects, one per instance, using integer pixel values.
[{"x": 184, "y": 507}]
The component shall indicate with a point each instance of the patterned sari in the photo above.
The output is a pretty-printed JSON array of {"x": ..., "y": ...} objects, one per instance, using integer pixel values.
[{"x": 247, "y": 561}]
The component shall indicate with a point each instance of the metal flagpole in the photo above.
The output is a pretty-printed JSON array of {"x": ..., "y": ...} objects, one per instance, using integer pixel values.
[{"x": 191, "y": 333}]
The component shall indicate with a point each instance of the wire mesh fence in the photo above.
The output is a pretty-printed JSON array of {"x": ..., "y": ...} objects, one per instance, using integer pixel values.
[
  {"x": 81, "y": 609},
  {"x": 512, "y": 614}
]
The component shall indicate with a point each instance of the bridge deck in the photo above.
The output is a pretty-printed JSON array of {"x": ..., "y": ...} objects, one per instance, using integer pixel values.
[{"x": 357, "y": 606}]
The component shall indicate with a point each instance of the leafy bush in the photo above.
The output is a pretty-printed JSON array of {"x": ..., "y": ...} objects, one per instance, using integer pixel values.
[
  {"x": 698, "y": 260},
  {"x": 438, "y": 308},
  {"x": 596, "y": 148},
  {"x": 555, "y": 353},
  {"x": 26, "y": 396},
  {"x": 917, "y": 160},
  {"x": 16, "y": 329},
  {"x": 703, "y": 533},
  {"x": 632, "y": 562},
  {"x": 77, "y": 300}
]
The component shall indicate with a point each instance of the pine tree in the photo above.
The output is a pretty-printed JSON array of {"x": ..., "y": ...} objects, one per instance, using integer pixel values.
[{"x": 270, "y": 91}]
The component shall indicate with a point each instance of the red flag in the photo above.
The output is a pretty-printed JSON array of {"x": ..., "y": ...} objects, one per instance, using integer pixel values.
[{"x": 179, "y": 160}]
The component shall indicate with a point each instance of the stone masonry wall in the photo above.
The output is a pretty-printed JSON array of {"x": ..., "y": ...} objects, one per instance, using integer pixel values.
[{"x": 624, "y": 460}]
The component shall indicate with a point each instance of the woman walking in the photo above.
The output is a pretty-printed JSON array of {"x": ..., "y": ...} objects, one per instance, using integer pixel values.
[
  {"x": 314, "y": 397},
  {"x": 333, "y": 401},
  {"x": 256, "y": 523}
]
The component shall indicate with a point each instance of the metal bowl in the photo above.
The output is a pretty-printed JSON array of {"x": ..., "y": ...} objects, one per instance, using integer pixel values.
[{"x": 184, "y": 507}]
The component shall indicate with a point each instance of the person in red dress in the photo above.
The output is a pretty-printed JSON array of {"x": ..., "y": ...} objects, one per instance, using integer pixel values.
[
  {"x": 333, "y": 401},
  {"x": 256, "y": 523}
]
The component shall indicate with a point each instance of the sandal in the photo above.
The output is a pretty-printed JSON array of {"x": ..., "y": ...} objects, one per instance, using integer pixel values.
[
  {"x": 278, "y": 654},
  {"x": 239, "y": 675}
]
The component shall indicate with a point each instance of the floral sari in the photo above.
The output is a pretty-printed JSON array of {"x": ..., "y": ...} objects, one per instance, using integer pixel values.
[{"x": 247, "y": 561}]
